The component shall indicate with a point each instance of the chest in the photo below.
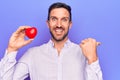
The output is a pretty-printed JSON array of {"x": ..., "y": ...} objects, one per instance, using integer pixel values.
[{"x": 49, "y": 66}]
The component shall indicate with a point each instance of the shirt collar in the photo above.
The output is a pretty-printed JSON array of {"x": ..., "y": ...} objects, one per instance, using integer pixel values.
[{"x": 67, "y": 43}]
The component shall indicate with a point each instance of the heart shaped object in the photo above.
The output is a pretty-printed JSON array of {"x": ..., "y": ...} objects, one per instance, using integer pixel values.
[{"x": 31, "y": 32}]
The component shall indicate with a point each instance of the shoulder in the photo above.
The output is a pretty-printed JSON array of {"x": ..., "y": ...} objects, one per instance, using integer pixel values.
[
  {"x": 36, "y": 49},
  {"x": 77, "y": 49},
  {"x": 31, "y": 53},
  {"x": 75, "y": 46}
]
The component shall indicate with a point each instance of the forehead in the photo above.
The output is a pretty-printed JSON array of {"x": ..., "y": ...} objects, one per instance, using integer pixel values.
[{"x": 59, "y": 12}]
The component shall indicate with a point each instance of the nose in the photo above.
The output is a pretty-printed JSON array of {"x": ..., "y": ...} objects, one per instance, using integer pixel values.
[{"x": 59, "y": 23}]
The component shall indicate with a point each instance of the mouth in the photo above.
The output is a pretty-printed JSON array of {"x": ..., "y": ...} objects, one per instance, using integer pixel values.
[{"x": 59, "y": 30}]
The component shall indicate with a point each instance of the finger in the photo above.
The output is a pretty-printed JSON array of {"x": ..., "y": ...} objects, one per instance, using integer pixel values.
[
  {"x": 86, "y": 40},
  {"x": 81, "y": 45},
  {"x": 98, "y": 43},
  {"x": 28, "y": 41},
  {"x": 83, "y": 41},
  {"x": 21, "y": 29}
]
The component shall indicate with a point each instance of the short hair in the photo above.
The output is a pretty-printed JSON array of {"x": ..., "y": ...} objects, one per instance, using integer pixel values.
[{"x": 59, "y": 5}]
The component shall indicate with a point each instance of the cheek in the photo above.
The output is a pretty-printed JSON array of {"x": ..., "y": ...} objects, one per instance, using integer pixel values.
[
  {"x": 52, "y": 25},
  {"x": 67, "y": 27}
]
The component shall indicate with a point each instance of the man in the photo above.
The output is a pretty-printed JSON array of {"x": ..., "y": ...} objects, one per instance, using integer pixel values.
[
  {"x": 7, "y": 63},
  {"x": 60, "y": 59}
]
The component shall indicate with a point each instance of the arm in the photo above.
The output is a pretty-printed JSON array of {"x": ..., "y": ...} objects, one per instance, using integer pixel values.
[
  {"x": 93, "y": 71},
  {"x": 89, "y": 49},
  {"x": 22, "y": 70},
  {"x": 17, "y": 39},
  {"x": 7, "y": 64}
]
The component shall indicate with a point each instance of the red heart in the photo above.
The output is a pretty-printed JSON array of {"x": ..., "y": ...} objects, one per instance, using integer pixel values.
[{"x": 31, "y": 32}]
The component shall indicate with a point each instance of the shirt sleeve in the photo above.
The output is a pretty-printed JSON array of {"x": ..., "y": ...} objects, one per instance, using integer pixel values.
[
  {"x": 94, "y": 71},
  {"x": 21, "y": 70},
  {"x": 7, "y": 65}
]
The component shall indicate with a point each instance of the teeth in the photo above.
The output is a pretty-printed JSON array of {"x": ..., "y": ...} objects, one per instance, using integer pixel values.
[{"x": 59, "y": 31}]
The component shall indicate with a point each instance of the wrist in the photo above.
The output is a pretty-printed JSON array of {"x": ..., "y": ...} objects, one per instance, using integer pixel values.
[
  {"x": 91, "y": 60},
  {"x": 9, "y": 49}
]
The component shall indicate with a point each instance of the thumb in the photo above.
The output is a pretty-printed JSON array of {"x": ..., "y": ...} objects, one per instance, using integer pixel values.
[{"x": 98, "y": 43}]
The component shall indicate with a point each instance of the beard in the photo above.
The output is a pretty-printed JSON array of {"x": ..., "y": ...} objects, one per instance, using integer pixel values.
[{"x": 59, "y": 39}]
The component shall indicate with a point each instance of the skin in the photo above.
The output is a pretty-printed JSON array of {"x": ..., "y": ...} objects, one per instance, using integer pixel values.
[
  {"x": 59, "y": 26},
  {"x": 17, "y": 40},
  {"x": 88, "y": 46}
]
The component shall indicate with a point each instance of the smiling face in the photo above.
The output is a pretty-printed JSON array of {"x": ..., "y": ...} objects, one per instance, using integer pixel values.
[{"x": 59, "y": 24}]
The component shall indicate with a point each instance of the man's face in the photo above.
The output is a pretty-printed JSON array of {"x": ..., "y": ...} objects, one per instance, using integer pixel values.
[{"x": 59, "y": 23}]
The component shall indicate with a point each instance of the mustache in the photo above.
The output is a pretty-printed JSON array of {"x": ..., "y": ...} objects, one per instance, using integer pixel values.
[{"x": 59, "y": 27}]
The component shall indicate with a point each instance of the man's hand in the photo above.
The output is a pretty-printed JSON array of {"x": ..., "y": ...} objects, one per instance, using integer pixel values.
[
  {"x": 89, "y": 49},
  {"x": 17, "y": 40}
]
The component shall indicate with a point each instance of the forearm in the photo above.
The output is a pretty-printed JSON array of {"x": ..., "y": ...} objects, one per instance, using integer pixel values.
[
  {"x": 21, "y": 71},
  {"x": 7, "y": 66},
  {"x": 93, "y": 71}
]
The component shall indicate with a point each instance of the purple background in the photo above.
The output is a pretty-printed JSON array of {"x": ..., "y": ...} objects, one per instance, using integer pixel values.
[{"x": 99, "y": 19}]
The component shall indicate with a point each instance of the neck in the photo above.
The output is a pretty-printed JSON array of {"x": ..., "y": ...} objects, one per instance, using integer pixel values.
[{"x": 59, "y": 44}]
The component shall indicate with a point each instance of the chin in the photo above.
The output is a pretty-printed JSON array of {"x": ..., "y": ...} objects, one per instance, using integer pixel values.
[{"x": 59, "y": 39}]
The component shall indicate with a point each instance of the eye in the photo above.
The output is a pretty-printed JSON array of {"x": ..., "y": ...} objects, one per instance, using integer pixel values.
[
  {"x": 54, "y": 19},
  {"x": 65, "y": 19}
]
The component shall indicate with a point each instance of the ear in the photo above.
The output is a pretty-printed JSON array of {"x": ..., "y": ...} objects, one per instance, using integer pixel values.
[
  {"x": 70, "y": 25},
  {"x": 47, "y": 22}
]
